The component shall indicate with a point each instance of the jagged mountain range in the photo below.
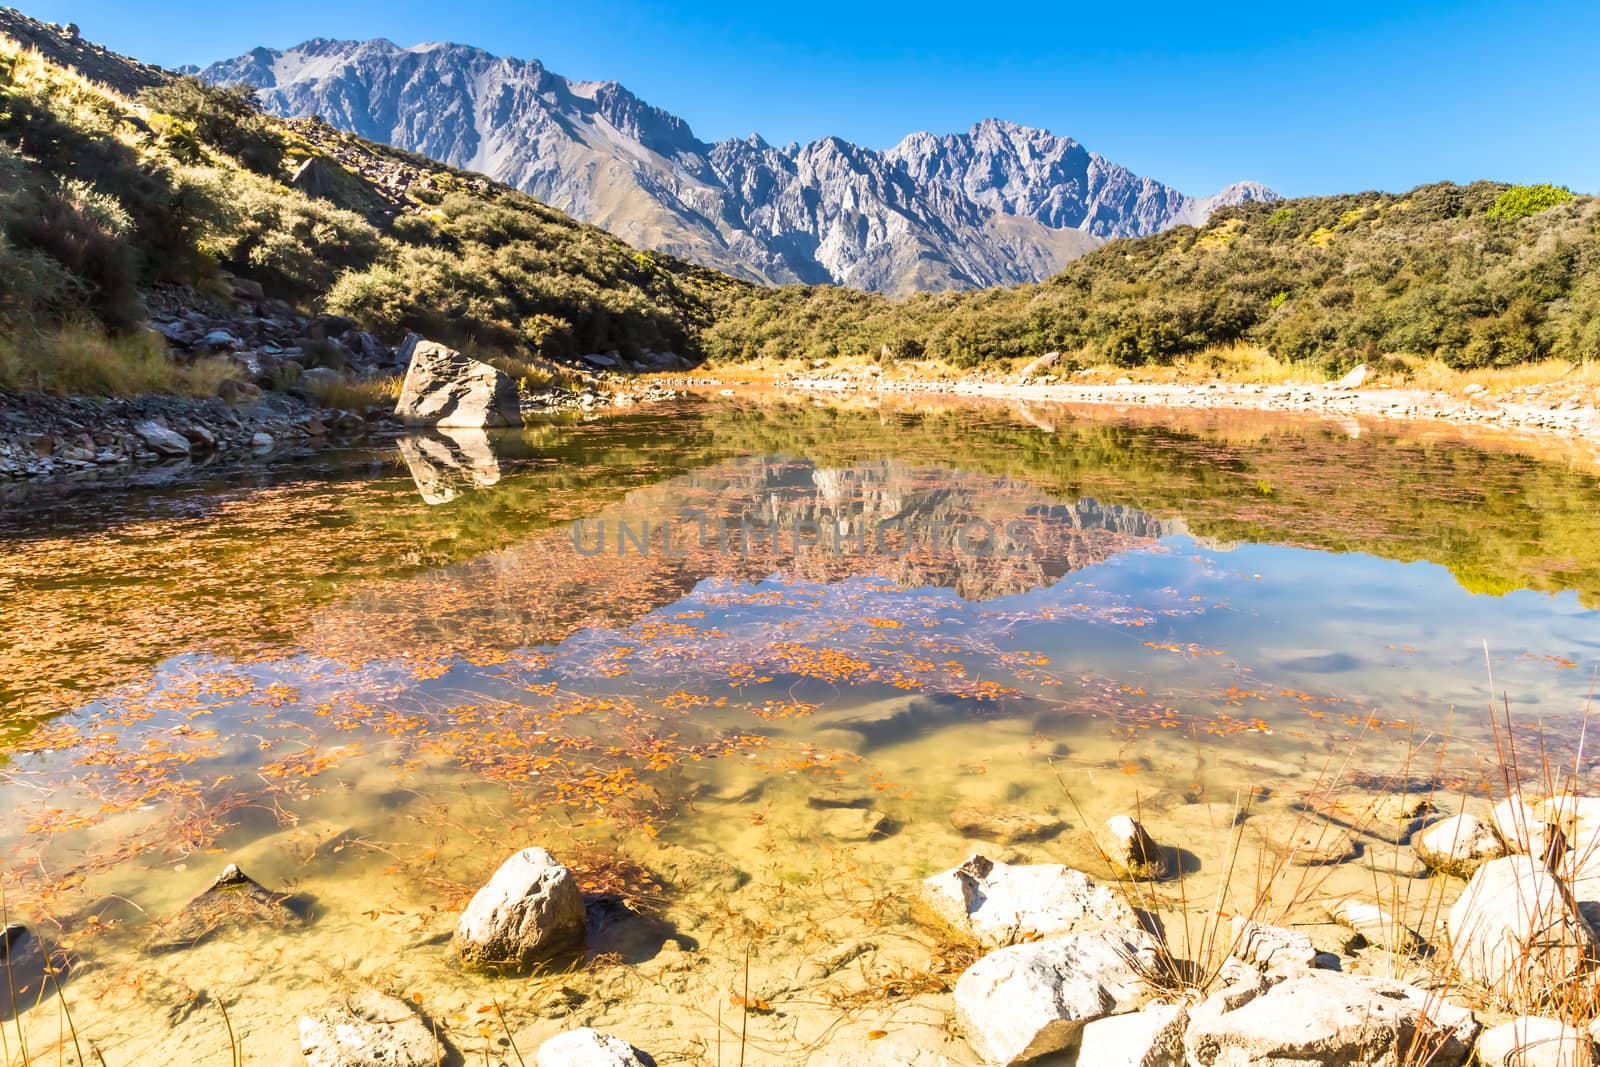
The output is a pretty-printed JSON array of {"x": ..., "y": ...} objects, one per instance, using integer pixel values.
[{"x": 999, "y": 204}]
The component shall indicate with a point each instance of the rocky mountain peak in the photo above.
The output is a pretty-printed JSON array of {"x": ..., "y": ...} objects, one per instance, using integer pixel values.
[{"x": 999, "y": 204}]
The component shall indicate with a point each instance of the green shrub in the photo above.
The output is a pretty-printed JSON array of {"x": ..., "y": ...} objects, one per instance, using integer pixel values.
[
  {"x": 228, "y": 117},
  {"x": 1520, "y": 201}
]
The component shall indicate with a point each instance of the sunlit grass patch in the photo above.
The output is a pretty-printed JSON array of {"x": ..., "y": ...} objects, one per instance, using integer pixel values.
[
  {"x": 82, "y": 360},
  {"x": 357, "y": 394}
]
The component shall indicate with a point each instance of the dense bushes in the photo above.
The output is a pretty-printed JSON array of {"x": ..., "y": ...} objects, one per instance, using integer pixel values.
[
  {"x": 101, "y": 200},
  {"x": 1477, "y": 275},
  {"x": 229, "y": 118}
]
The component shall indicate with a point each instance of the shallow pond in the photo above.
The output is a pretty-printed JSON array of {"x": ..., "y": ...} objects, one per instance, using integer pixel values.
[{"x": 752, "y": 668}]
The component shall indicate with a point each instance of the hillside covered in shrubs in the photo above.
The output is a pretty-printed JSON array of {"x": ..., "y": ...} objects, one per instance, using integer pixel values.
[
  {"x": 1481, "y": 275},
  {"x": 110, "y": 202}
]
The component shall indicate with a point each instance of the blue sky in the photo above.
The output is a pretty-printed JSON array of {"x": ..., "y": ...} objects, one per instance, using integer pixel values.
[{"x": 1315, "y": 99}]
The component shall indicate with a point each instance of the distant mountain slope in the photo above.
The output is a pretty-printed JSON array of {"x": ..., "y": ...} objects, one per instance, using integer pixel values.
[{"x": 997, "y": 205}]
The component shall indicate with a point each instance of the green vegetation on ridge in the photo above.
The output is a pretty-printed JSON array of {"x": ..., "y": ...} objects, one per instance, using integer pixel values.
[
  {"x": 1484, "y": 275},
  {"x": 104, "y": 202}
]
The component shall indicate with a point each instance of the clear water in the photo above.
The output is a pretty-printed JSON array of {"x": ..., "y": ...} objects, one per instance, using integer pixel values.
[{"x": 367, "y": 677}]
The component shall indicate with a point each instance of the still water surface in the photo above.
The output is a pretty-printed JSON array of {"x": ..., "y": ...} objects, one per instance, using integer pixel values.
[{"x": 368, "y": 676}]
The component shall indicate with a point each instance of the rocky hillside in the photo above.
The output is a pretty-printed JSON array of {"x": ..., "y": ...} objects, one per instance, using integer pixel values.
[{"x": 997, "y": 205}]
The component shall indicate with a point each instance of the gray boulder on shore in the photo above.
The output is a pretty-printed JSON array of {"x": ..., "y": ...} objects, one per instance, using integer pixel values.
[
  {"x": 1025, "y": 1001},
  {"x": 445, "y": 388},
  {"x": 529, "y": 911}
]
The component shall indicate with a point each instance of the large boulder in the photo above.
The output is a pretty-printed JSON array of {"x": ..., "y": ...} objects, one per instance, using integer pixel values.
[
  {"x": 1149, "y": 1038},
  {"x": 160, "y": 439},
  {"x": 370, "y": 1029},
  {"x": 1459, "y": 845},
  {"x": 529, "y": 911},
  {"x": 1517, "y": 930},
  {"x": 589, "y": 1048},
  {"x": 997, "y": 903},
  {"x": 1531, "y": 1041},
  {"x": 1027, "y": 1000},
  {"x": 1328, "y": 1019},
  {"x": 445, "y": 388}
]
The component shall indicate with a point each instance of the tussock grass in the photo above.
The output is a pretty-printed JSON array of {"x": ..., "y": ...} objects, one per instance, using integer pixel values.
[
  {"x": 359, "y": 394},
  {"x": 83, "y": 360}
]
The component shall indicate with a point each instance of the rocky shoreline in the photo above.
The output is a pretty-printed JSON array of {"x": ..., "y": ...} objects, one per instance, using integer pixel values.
[
  {"x": 1532, "y": 409},
  {"x": 1501, "y": 967}
]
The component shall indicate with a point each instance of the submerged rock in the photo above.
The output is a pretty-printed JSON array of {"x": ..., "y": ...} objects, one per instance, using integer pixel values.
[
  {"x": 233, "y": 901},
  {"x": 1331, "y": 1019},
  {"x": 530, "y": 910},
  {"x": 689, "y": 869},
  {"x": 445, "y": 388},
  {"x": 1459, "y": 845},
  {"x": 996, "y": 903},
  {"x": 1531, "y": 1041},
  {"x": 590, "y": 1048},
  {"x": 371, "y": 1029},
  {"x": 1134, "y": 852},
  {"x": 1517, "y": 927},
  {"x": 1316, "y": 843},
  {"x": 1005, "y": 824},
  {"x": 1027, "y": 1000},
  {"x": 30, "y": 972},
  {"x": 853, "y": 824},
  {"x": 1377, "y": 927}
]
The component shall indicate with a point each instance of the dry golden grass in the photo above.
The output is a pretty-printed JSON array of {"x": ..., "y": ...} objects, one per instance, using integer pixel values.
[
  {"x": 83, "y": 360},
  {"x": 357, "y": 395}
]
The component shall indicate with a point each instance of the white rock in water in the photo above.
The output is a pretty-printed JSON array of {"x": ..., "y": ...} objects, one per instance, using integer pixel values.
[
  {"x": 1352, "y": 380},
  {"x": 1531, "y": 1041},
  {"x": 589, "y": 1048},
  {"x": 1027, "y": 1000},
  {"x": 1330, "y": 1019},
  {"x": 530, "y": 909},
  {"x": 370, "y": 1029},
  {"x": 997, "y": 903},
  {"x": 1458, "y": 845},
  {"x": 1271, "y": 947},
  {"x": 161, "y": 439},
  {"x": 1516, "y": 926},
  {"x": 1133, "y": 851},
  {"x": 445, "y": 388},
  {"x": 1378, "y": 927},
  {"x": 1149, "y": 1038},
  {"x": 1521, "y": 830}
]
